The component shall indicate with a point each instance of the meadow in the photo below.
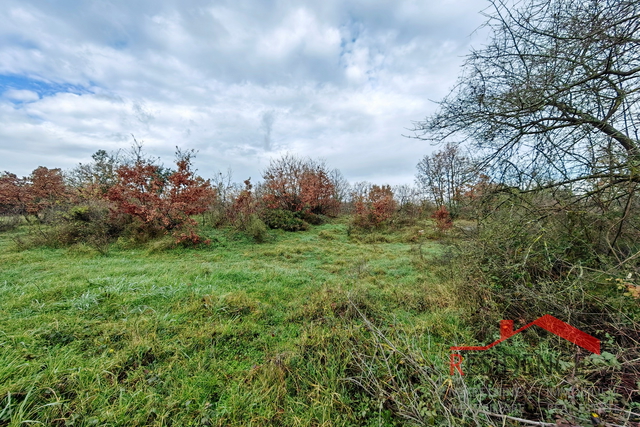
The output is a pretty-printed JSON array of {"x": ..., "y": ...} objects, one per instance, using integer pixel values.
[
  {"x": 331, "y": 326},
  {"x": 234, "y": 333}
]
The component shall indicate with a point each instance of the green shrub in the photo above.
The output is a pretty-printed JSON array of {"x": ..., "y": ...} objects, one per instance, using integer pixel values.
[
  {"x": 524, "y": 262},
  {"x": 375, "y": 238},
  {"x": 311, "y": 218},
  {"x": 326, "y": 235},
  {"x": 160, "y": 245},
  {"x": 257, "y": 229},
  {"x": 90, "y": 223},
  {"x": 284, "y": 220},
  {"x": 8, "y": 223}
]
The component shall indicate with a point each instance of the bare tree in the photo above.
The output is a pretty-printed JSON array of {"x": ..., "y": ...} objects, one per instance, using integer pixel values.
[
  {"x": 444, "y": 176},
  {"x": 226, "y": 189},
  {"x": 406, "y": 195},
  {"x": 553, "y": 97},
  {"x": 342, "y": 188}
]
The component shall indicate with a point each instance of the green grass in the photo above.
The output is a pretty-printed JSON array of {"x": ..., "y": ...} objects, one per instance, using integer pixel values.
[{"x": 232, "y": 334}]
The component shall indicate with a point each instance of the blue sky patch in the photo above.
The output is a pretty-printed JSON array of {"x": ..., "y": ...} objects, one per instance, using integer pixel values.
[{"x": 41, "y": 87}]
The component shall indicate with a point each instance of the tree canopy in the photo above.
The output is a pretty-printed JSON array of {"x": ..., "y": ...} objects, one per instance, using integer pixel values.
[{"x": 553, "y": 97}]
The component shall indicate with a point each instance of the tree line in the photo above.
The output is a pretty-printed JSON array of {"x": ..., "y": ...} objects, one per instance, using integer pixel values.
[{"x": 132, "y": 194}]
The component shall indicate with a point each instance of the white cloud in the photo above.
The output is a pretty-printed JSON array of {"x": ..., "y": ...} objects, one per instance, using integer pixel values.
[
  {"x": 21, "y": 95},
  {"x": 300, "y": 31},
  {"x": 240, "y": 81}
]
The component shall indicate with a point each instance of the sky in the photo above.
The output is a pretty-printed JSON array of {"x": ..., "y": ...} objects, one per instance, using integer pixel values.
[{"x": 241, "y": 81}]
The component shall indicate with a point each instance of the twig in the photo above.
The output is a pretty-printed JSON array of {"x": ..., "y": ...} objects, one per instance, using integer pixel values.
[{"x": 520, "y": 420}]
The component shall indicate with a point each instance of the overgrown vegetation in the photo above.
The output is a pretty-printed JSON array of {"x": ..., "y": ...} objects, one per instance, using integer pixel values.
[
  {"x": 548, "y": 106},
  {"x": 346, "y": 322},
  {"x": 229, "y": 334},
  {"x": 201, "y": 307}
]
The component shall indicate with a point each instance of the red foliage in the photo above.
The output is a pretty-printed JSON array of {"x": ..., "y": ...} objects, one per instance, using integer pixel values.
[
  {"x": 299, "y": 185},
  {"x": 190, "y": 237},
  {"x": 138, "y": 192},
  {"x": 13, "y": 195},
  {"x": 442, "y": 218},
  {"x": 375, "y": 206},
  {"x": 244, "y": 205},
  {"x": 317, "y": 192},
  {"x": 32, "y": 195},
  {"x": 162, "y": 202},
  {"x": 46, "y": 189}
]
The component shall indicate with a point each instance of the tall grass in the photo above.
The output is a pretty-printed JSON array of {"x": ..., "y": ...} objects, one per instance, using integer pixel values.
[{"x": 236, "y": 333}]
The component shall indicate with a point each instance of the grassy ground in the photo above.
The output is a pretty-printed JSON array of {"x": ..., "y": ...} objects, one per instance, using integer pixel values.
[{"x": 233, "y": 334}]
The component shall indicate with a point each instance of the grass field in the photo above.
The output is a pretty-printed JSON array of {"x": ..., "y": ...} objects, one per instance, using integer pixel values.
[{"x": 236, "y": 333}]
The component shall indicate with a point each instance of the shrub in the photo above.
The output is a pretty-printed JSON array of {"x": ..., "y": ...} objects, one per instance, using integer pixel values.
[
  {"x": 257, "y": 229},
  {"x": 189, "y": 237},
  {"x": 244, "y": 213},
  {"x": 244, "y": 208},
  {"x": 442, "y": 219},
  {"x": 327, "y": 235},
  {"x": 89, "y": 223},
  {"x": 97, "y": 177},
  {"x": 9, "y": 222},
  {"x": 283, "y": 220},
  {"x": 374, "y": 206},
  {"x": 33, "y": 195},
  {"x": 551, "y": 263},
  {"x": 300, "y": 185},
  {"x": 162, "y": 201},
  {"x": 311, "y": 218},
  {"x": 46, "y": 189},
  {"x": 12, "y": 194}
]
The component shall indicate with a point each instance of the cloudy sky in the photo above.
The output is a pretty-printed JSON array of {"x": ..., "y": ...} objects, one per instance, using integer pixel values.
[{"x": 240, "y": 81}]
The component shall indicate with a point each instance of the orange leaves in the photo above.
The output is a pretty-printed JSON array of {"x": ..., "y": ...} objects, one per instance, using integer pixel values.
[
  {"x": 244, "y": 206},
  {"x": 299, "y": 185},
  {"x": 442, "y": 219},
  {"x": 138, "y": 192},
  {"x": 160, "y": 199},
  {"x": 34, "y": 194},
  {"x": 317, "y": 191},
  {"x": 12, "y": 193},
  {"x": 630, "y": 289},
  {"x": 374, "y": 206},
  {"x": 46, "y": 188}
]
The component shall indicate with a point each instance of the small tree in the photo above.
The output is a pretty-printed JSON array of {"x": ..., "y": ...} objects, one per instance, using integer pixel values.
[
  {"x": 374, "y": 205},
  {"x": 552, "y": 102},
  {"x": 442, "y": 219},
  {"x": 13, "y": 195},
  {"x": 97, "y": 177},
  {"x": 300, "y": 185},
  {"x": 46, "y": 189},
  {"x": 409, "y": 203},
  {"x": 32, "y": 195},
  {"x": 162, "y": 202},
  {"x": 341, "y": 186},
  {"x": 445, "y": 176},
  {"x": 244, "y": 207}
]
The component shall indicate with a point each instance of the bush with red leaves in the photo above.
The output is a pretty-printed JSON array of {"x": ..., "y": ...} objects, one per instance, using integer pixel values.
[
  {"x": 300, "y": 185},
  {"x": 374, "y": 206},
  {"x": 442, "y": 218},
  {"x": 33, "y": 195},
  {"x": 13, "y": 194},
  {"x": 244, "y": 207},
  {"x": 162, "y": 202}
]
